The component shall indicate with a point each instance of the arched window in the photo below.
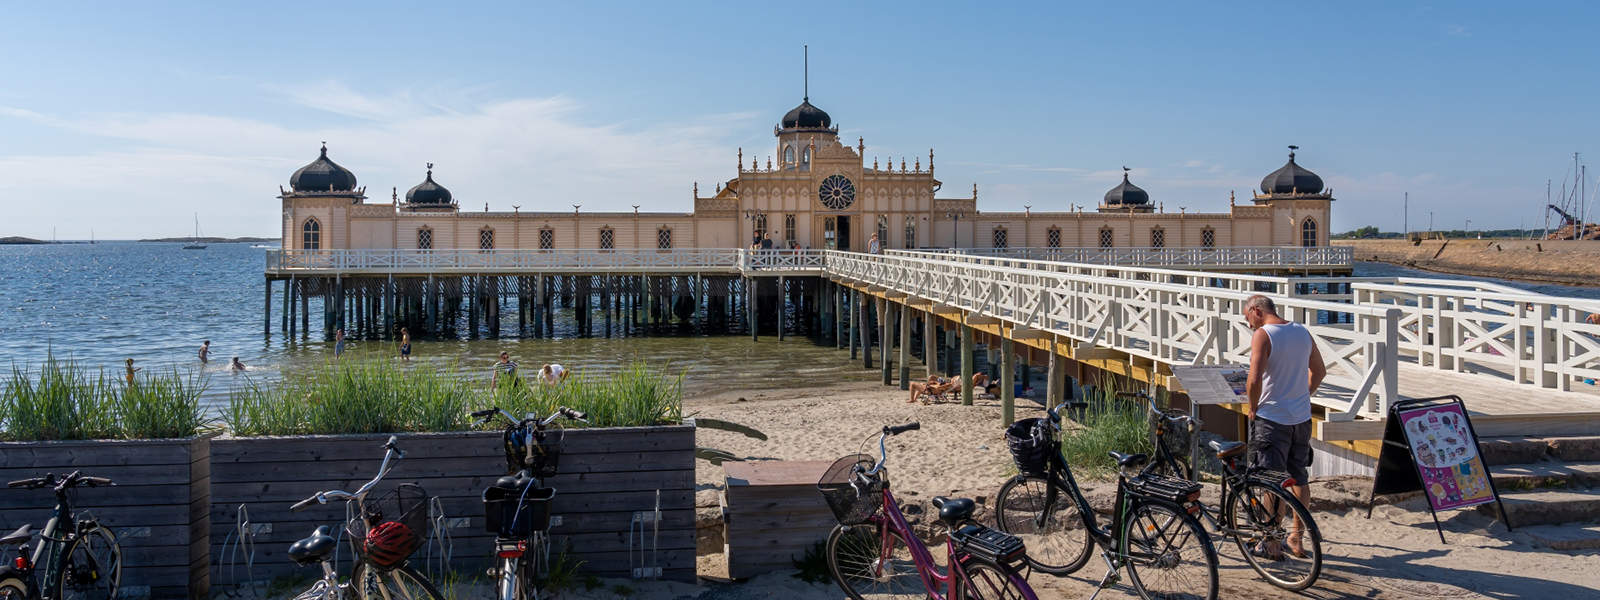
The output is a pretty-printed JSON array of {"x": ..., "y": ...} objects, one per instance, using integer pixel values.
[
  {"x": 788, "y": 155},
  {"x": 788, "y": 228},
  {"x": 485, "y": 239},
  {"x": 311, "y": 235},
  {"x": 1105, "y": 237},
  {"x": 1001, "y": 238},
  {"x": 1208, "y": 238},
  {"x": 1158, "y": 238},
  {"x": 761, "y": 226},
  {"x": 664, "y": 238},
  {"x": 805, "y": 159},
  {"x": 883, "y": 231},
  {"x": 608, "y": 238},
  {"x": 424, "y": 239},
  {"x": 547, "y": 239},
  {"x": 911, "y": 233},
  {"x": 1052, "y": 238},
  {"x": 1308, "y": 232}
]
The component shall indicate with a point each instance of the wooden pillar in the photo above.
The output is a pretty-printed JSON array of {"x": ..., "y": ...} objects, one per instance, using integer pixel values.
[
  {"x": 885, "y": 321},
  {"x": 865, "y": 328},
  {"x": 750, "y": 305},
  {"x": 266, "y": 319},
  {"x": 1052, "y": 386},
  {"x": 305, "y": 309},
  {"x": 288, "y": 308},
  {"x": 905, "y": 345},
  {"x": 930, "y": 347},
  {"x": 1008, "y": 400},
  {"x": 853, "y": 326},
  {"x": 782, "y": 302},
  {"x": 966, "y": 364},
  {"x": 839, "y": 317}
]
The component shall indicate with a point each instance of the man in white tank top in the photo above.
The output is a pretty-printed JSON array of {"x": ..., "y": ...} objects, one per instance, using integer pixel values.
[{"x": 1285, "y": 369}]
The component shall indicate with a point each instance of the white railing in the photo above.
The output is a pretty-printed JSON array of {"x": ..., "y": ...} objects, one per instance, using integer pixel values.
[
  {"x": 545, "y": 261},
  {"x": 1224, "y": 257},
  {"x": 1536, "y": 339},
  {"x": 1167, "y": 323}
]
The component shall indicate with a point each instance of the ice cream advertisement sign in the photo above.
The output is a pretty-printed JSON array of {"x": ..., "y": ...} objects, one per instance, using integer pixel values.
[{"x": 1447, "y": 458}]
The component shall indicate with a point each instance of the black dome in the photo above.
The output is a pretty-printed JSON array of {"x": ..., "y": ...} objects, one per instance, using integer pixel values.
[
  {"x": 1291, "y": 179},
  {"x": 323, "y": 175},
  {"x": 1126, "y": 194},
  {"x": 806, "y": 116},
  {"x": 428, "y": 192}
]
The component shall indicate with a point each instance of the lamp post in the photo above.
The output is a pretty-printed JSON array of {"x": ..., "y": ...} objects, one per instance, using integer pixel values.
[{"x": 955, "y": 226}]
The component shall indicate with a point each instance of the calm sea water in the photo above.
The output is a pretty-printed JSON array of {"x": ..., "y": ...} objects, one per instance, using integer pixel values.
[{"x": 152, "y": 302}]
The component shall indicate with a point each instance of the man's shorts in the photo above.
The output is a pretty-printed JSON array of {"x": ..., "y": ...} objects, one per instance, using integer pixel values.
[{"x": 1280, "y": 447}]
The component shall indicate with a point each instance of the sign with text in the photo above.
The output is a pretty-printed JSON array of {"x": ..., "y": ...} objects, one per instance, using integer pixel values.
[
  {"x": 1429, "y": 446},
  {"x": 1213, "y": 384}
]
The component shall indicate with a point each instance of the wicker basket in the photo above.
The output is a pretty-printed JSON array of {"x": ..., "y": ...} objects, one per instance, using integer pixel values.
[{"x": 406, "y": 504}]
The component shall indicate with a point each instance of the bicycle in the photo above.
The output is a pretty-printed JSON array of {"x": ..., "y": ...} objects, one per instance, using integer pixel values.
[
  {"x": 381, "y": 543},
  {"x": 76, "y": 557},
  {"x": 872, "y": 552},
  {"x": 1255, "y": 504},
  {"x": 1153, "y": 534},
  {"x": 517, "y": 507}
]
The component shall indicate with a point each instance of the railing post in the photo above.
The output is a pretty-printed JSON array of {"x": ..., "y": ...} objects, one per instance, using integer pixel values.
[{"x": 1390, "y": 355}]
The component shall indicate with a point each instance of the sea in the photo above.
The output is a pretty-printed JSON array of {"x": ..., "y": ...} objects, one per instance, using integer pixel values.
[{"x": 100, "y": 304}]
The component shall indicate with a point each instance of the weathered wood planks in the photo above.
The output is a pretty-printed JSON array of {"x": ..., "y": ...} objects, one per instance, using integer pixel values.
[{"x": 772, "y": 514}]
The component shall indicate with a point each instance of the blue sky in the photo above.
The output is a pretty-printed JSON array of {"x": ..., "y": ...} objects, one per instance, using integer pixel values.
[{"x": 128, "y": 117}]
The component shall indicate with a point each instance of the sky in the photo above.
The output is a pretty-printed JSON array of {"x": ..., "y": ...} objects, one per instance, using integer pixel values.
[{"x": 128, "y": 119}]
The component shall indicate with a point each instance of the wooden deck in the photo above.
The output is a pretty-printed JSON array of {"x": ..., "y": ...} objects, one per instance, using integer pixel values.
[{"x": 1499, "y": 406}]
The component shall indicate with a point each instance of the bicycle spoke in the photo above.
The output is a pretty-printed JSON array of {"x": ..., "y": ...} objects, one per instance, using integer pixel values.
[
  {"x": 1055, "y": 536},
  {"x": 1173, "y": 557},
  {"x": 856, "y": 555},
  {"x": 986, "y": 582},
  {"x": 1264, "y": 518}
]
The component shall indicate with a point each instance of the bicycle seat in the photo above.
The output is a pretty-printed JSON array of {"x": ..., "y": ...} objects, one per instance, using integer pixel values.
[
  {"x": 954, "y": 510},
  {"x": 1129, "y": 460},
  {"x": 1227, "y": 449},
  {"x": 313, "y": 549},
  {"x": 21, "y": 535},
  {"x": 516, "y": 481}
]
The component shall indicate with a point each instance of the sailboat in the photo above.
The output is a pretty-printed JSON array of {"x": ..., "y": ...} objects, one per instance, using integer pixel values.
[{"x": 194, "y": 243}]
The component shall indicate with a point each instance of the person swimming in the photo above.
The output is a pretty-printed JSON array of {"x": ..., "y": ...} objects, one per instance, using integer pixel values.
[
  {"x": 504, "y": 365},
  {"x": 205, "y": 352},
  {"x": 405, "y": 344},
  {"x": 236, "y": 365},
  {"x": 132, "y": 370}
]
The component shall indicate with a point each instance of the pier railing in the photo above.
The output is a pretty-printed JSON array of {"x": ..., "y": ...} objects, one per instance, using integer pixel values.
[
  {"x": 1232, "y": 257},
  {"x": 1160, "y": 322},
  {"x": 423, "y": 262}
]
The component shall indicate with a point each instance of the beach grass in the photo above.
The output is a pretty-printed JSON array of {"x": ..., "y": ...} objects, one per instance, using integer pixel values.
[
  {"x": 1108, "y": 424},
  {"x": 66, "y": 400},
  {"x": 161, "y": 406}
]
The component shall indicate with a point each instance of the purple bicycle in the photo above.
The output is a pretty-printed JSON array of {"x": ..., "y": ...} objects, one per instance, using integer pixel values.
[{"x": 873, "y": 553}]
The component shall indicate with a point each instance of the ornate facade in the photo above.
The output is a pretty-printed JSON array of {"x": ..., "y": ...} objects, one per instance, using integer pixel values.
[{"x": 820, "y": 194}]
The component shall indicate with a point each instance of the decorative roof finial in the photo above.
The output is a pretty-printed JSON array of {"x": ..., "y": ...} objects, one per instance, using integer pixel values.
[
  {"x": 861, "y": 145},
  {"x": 430, "y": 170},
  {"x": 769, "y": 162},
  {"x": 874, "y": 163},
  {"x": 805, "y": 50},
  {"x": 1292, "y": 148},
  {"x": 697, "y": 189},
  {"x": 916, "y": 164},
  {"x": 902, "y": 164},
  {"x": 1230, "y": 198},
  {"x": 324, "y": 148},
  {"x": 930, "y": 160},
  {"x": 394, "y": 194},
  {"x": 1125, "y": 170},
  {"x": 741, "y": 156},
  {"x": 974, "y": 191}
]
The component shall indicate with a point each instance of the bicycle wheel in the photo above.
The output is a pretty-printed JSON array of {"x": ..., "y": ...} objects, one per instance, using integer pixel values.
[
  {"x": 987, "y": 582},
  {"x": 1258, "y": 529},
  {"x": 858, "y": 563},
  {"x": 402, "y": 582},
  {"x": 1169, "y": 554},
  {"x": 13, "y": 589},
  {"x": 91, "y": 566},
  {"x": 1056, "y": 539}
]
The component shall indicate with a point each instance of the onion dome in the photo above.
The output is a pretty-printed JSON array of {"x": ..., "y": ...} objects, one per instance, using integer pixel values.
[
  {"x": 323, "y": 175},
  {"x": 1291, "y": 179},
  {"x": 806, "y": 116},
  {"x": 1126, "y": 194},
  {"x": 428, "y": 192}
]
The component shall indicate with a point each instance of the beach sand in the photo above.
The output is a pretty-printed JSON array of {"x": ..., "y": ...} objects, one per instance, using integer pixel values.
[{"x": 1396, "y": 554}]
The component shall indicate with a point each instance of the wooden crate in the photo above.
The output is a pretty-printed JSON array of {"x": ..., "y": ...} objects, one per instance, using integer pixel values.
[
  {"x": 772, "y": 514},
  {"x": 606, "y": 476},
  {"x": 158, "y": 509}
]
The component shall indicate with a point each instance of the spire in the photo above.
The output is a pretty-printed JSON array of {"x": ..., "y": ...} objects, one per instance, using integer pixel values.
[
  {"x": 324, "y": 148},
  {"x": 430, "y": 171},
  {"x": 1292, "y": 148},
  {"x": 805, "y": 50},
  {"x": 1125, "y": 170}
]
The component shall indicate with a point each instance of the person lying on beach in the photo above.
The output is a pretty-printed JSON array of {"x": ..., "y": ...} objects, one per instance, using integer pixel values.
[
  {"x": 927, "y": 390},
  {"x": 553, "y": 373},
  {"x": 236, "y": 365},
  {"x": 981, "y": 381}
]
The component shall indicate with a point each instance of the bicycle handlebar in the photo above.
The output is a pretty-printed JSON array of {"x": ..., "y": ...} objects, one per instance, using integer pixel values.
[
  {"x": 62, "y": 483},
  {"x": 899, "y": 429},
  {"x": 391, "y": 453},
  {"x": 883, "y": 450}
]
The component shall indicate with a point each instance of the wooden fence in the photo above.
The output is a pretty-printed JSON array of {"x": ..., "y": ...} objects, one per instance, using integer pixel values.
[
  {"x": 157, "y": 508},
  {"x": 608, "y": 479}
]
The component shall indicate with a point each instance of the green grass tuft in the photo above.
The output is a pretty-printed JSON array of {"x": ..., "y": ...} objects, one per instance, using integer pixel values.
[
  {"x": 1108, "y": 424},
  {"x": 66, "y": 400}
]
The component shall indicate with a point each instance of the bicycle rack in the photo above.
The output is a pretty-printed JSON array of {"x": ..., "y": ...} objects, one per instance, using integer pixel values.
[
  {"x": 440, "y": 535},
  {"x": 242, "y": 541},
  {"x": 643, "y": 568}
]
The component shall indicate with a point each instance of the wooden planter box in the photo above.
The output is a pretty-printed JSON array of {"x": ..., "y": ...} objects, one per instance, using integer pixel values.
[
  {"x": 773, "y": 514},
  {"x": 607, "y": 477},
  {"x": 158, "y": 509}
]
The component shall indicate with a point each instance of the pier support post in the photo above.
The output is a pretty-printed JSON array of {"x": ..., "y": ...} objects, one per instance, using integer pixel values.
[
  {"x": 750, "y": 303},
  {"x": 839, "y": 318},
  {"x": 966, "y": 364},
  {"x": 266, "y": 319},
  {"x": 1052, "y": 385},
  {"x": 288, "y": 308},
  {"x": 930, "y": 344},
  {"x": 852, "y": 324},
  {"x": 283, "y": 316},
  {"x": 1008, "y": 396},
  {"x": 305, "y": 309},
  {"x": 885, "y": 321},
  {"x": 866, "y": 329},
  {"x": 905, "y": 346},
  {"x": 783, "y": 300}
]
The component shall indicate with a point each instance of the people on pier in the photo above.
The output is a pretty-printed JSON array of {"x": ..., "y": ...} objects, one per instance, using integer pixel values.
[
  {"x": 205, "y": 352},
  {"x": 132, "y": 370},
  {"x": 236, "y": 366},
  {"x": 504, "y": 365},
  {"x": 766, "y": 241},
  {"x": 873, "y": 245},
  {"x": 553, "y": 373},
  {"x": 1285, "y": 369},
  {"x": 405, "y": 344}
]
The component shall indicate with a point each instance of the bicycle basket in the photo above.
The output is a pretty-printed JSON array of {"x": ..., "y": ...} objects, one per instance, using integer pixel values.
[
  {"x": 1031, "y": 446},
  {"x": 540, "y": 457},
  {"x": 1161, "y": 487},
  {"x": 516, "y": 513},
  {"x": 989, "y": 545},
  {"x": 392, "y": 527},
  {"x": 1175, "y": 438},
  {"x": 852, "y": 495}
]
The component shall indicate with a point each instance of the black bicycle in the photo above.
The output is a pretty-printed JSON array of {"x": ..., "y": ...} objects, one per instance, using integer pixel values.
[
  {"x": 517, "y": 507},
  {"x": 77, "y": 557},
  {"x": 1153, "y": 533},
  {"x": 1257, "y": 509}
]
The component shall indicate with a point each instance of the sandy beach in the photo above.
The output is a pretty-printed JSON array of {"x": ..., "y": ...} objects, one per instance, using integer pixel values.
[{"x": 1396, "y": 554}]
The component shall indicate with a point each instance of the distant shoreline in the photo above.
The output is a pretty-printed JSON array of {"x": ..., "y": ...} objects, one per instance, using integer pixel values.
[
  {"x": 1537, "y": 261},
  {"x": 211, "y": 240},
  {"x": 20, "y": 240}
]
